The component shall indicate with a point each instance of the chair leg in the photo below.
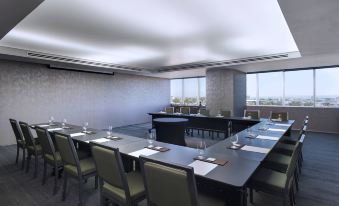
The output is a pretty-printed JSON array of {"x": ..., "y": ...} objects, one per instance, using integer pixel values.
[
  {"x": 17, "y": 154},
  {"x": 45, "y": 173},
  {"x": 23, "y": 158},
  {"x": 28, "y": 162},
  {"x": 96, "y": 182},
  {"x": 251, "y": 196},
  {"x": 102, "y": 200},
  {"x": 55, "y": 190},
  {"x": 80, "y": 191},
  {"x": 36, "y": 166},
  {"x": 64, "y": 187}
]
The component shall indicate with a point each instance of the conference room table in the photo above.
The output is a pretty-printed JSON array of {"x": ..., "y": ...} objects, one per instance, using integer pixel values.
[
  {"x": 231, "y": 177},
  {"x": 210, "y": 123}
]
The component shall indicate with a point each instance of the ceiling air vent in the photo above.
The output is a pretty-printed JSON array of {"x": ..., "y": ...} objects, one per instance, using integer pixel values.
[
  {"x": 80, "y": 61},
  {"x": 225, "y": 63}
]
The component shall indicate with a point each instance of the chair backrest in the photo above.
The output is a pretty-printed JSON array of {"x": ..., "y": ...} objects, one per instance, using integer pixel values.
[
  {"x": 184, "y": 110},
  {"x": 26, "y": 132},
  {"x": 16, "y": 130},
  {"x": 110, "y": 167},
  {"x": 254, "y": 114},
  {"x": 45, "y": 140},
  {"x": 293, "y": 164},
  {"x": 204, "y": 112},
  {"x": 169, "y": 110},
  {"x": 168, "y": 184},
  {"x": 67, "y": 150},
  {"x": 226, "y": 113},
  {"x": 302, "y": 138},
  {"x": 283, "y": 116}
]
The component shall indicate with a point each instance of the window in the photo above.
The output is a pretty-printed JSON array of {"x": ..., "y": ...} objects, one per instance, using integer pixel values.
[
  {"x": 176, "y": 91},
  {"x": 251, "y": 89},
  {"x": 327, "y": 87},
  {"x": 270, "y": 88},
  {"x": 190, "y": 91},
  {"x": 299, "y": 88},
  {"x": 307, "y": 88}
]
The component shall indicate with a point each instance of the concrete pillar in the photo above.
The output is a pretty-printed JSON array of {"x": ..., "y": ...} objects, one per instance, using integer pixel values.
[{"x": 225, "y": 90}]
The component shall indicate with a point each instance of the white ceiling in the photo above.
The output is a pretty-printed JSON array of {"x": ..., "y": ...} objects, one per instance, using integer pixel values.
[{"x": 154, "y": 33}]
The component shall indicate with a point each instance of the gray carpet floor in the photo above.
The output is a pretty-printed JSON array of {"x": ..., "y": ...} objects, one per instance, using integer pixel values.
[{"x": 319, "y": 182}]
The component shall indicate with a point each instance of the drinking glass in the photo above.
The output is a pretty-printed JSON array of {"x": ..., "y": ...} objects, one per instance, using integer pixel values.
[
  {"x": 64, "y": 122},
  {"x": 234, "y": 140},
  {"x": 201, "y": 149},
  {"x": 84, "y": 126},
  {"x": 109, "y": 132},
  {"x": 151, "y": 138},
  {"x": 51, "y": 121}
]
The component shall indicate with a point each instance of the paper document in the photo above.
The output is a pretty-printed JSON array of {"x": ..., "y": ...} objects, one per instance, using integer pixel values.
[
  {"x": 284, "y": 125},
  {"x": 43, "y": 125},
  {"x": 255, "y": 149},
  {"x": 54, "y": 129},
  {"x": 100, "y": 140},
  {"x": 77, "y": 134},
  {"x": 202, "y": 168},
  {"x": 145, "y": 152},
  {"x": 268, "y": 137},
  {"x": 276, "y": 130}
]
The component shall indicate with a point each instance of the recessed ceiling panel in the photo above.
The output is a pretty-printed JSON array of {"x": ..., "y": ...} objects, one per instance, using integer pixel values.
[{"x": 154, "y": 33}]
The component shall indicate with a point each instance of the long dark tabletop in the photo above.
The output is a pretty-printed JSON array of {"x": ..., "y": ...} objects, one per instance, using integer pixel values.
[{"x": 241, "y": 164}]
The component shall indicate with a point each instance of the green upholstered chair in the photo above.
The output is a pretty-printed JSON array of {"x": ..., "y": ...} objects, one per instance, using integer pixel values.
[
  {"x": 20, "y": 142},
  {"x": 280, "y": 116},
  {"x": 253, "y": 114},
  {"x": 204, "y": 112},
  {"x": 276, "y": 183},
  {"x": 49, "y": 154},
  {"x": 170, "y": 184},
  {"x": 73, "y": 167},
  {"x": 185, "y": 110},
  {"x": 169, "y": 110},
  {"x": 116, "y": 185},
  {"x": 226, "y": 113},
  {"x": 33, "y": 148}
]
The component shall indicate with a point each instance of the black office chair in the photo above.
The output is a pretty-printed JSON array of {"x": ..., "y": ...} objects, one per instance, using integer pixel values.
[
  {"x": 20, "y": 142},
  {"x": 115, "y": 184},
  {"x": 169, "y": 184},
  {"x": 33, "y": 148},
  {"x": 73, "y": 167},
  {"x": 50, "y": 155}
]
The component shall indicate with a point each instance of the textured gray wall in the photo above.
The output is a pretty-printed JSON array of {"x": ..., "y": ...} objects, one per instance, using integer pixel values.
[
  {"x": 321, "y": 119},
  {"x": 225, "y": 90},
  {"x": 32, "y": 93}
]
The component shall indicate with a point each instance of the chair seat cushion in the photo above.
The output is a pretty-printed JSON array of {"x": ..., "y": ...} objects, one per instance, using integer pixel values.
[
  {"x": 269, "y": 180},
  {"x": 277, "y": 161},
  {"x": 288, "y": 140},
  {"x": 38, "y": 149},
  {"x": 135, "y": 185},
  {"x": 51, "y": 160},
  {"x": 87, "y": 166},
  {"x": 208, "y": 200},
  {"x": 286, "y": 149}
]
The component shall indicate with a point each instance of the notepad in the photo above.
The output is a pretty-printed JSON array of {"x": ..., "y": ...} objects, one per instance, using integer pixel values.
[
  {"x": 54, "y": 129},
  {"x": 100, "y": 140},
  {"x": 276, "y": 130},
  {"x": 145, "y": 152},
  {"x": 255, "y": 149},
  {"x": 77, "y": 134},
  {"x": 202, "y": 168},
  {"x": 268, "y": 137},
  {"x": 43, "y": 125},
  {"x": 284, "y": 125}
]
